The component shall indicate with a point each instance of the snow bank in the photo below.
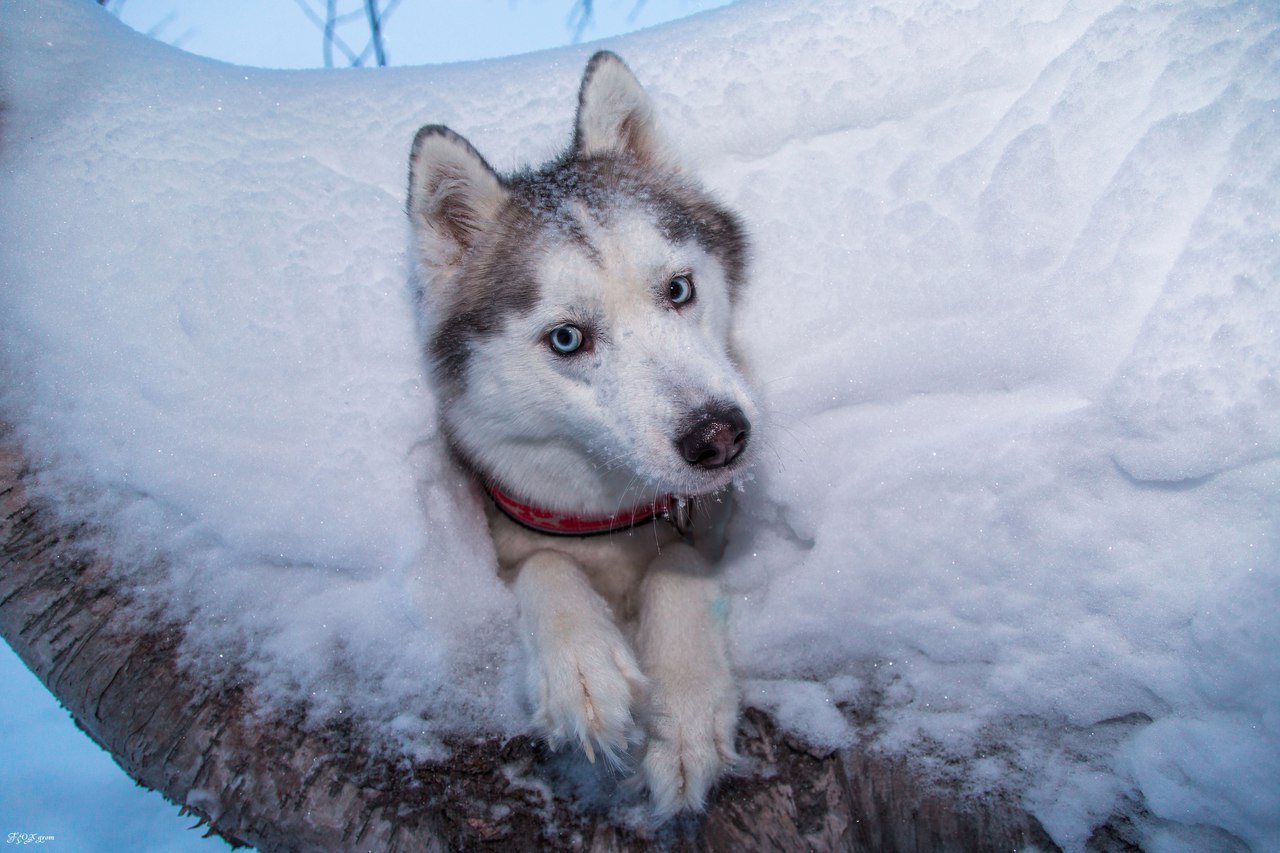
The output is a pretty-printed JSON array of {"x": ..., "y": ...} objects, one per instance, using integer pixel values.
[{"x": 1015, "y": 313}]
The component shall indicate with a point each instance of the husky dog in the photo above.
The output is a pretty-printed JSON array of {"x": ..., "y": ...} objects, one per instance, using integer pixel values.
[{"x": 577, "y": 322}]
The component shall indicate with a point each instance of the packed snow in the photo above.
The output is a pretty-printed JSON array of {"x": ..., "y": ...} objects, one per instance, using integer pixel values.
[{"x": 1015, "y": 315}]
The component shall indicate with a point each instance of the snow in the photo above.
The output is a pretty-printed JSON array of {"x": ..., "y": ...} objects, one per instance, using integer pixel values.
[{"x": 1015, "y": 316}]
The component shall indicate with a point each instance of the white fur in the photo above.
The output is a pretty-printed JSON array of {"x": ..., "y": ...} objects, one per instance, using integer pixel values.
[
  {"x": 582, "y": 676},
  {"x": 592, "y": 436},
  {"x": 694, "y": 709},
  {"x": 603, "y": 421},
  {"x": 579, "y": 599}
]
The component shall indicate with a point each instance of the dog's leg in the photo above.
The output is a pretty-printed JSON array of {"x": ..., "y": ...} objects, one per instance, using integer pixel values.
[
  {"x": 582, "y": 676},
  {"x": 692, "y": 695}
]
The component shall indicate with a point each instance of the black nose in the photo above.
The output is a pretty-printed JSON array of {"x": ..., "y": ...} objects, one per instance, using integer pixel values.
[{"x": 715, "y": 437}]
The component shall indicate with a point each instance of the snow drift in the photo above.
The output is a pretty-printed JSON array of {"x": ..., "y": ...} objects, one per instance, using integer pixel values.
[{"x": 1016, "y": 313}]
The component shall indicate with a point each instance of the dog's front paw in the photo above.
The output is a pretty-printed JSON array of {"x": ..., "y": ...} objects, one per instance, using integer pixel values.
[
  {"x": 690, "y": 746},
  {"x": 585, "y": 681}
]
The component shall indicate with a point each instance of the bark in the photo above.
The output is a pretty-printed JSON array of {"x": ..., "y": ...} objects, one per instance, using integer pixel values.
[{"x": 264, "y": 780}]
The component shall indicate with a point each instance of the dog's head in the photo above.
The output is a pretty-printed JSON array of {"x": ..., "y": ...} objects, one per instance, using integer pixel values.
[{"x": 578, "y": 315}]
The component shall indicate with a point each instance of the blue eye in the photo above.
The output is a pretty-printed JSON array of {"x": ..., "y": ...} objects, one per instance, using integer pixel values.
[
  {"x": 680, "y": 290},
  {"x": 565, "y": 339}
]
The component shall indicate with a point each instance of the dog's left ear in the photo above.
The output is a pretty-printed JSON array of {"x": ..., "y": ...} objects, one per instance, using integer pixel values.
[{"x": 615, "y": 116}]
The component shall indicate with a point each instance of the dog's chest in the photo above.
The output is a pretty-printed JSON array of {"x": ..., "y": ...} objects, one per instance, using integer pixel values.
[{"x": 613, "y": 562}]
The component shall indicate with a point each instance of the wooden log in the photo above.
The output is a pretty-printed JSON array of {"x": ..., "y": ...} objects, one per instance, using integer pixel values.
[{"x": 263, "y": 779}]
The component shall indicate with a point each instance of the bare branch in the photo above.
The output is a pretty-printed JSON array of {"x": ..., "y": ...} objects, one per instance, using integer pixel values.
[
  {"x": 375, "y": 32},
  {"x": 580, "y": 17},
  {"x": 334, "y": 18},
  {"x": 327, "y": 25}
]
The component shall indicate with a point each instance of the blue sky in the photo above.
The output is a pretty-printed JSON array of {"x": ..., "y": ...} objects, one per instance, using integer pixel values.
[{"x": 55, "y": 782}]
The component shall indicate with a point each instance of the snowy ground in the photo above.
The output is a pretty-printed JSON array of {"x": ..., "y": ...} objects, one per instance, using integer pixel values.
[{"x": 1015, "y": 312}]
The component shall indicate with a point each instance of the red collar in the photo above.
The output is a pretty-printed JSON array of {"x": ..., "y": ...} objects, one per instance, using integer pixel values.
[{"x": 556, "y": 523}]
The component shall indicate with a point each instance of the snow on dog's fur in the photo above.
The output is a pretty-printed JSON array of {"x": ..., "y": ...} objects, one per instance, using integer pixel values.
[{"x": 577, "y": 321}]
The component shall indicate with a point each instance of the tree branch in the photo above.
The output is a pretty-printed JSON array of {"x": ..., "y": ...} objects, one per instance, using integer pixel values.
[
  {"x": 260, "y": 777},
  {"x": 375, "y": 32}
]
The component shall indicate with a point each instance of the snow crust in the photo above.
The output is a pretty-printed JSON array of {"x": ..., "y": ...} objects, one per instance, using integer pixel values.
[{"x": 1015, "y": 311}]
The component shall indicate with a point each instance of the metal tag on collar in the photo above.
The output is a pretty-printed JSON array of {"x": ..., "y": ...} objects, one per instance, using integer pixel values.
[{"x": 680, "y": 515}]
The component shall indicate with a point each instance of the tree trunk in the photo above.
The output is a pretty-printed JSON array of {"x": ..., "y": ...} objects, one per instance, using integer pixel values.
[{"x": 262, "y": 780}]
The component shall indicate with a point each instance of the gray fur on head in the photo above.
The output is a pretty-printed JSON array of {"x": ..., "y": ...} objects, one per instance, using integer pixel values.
[{"x": 470, "y": 224}]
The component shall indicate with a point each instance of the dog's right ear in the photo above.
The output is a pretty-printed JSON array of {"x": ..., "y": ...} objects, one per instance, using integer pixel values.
[
  {"x": 615, "y": 116},
  {"x": 453, "y": 195}
]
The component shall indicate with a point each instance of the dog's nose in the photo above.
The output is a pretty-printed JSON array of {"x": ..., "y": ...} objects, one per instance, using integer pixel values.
[{"x": 715, "y": 437}]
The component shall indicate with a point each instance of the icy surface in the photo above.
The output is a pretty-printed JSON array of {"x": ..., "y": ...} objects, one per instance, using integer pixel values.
[{"x": 1016, "y": 314}]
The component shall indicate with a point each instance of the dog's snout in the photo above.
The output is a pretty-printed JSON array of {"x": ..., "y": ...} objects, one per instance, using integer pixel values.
[{"x": 715, "y": 437}]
